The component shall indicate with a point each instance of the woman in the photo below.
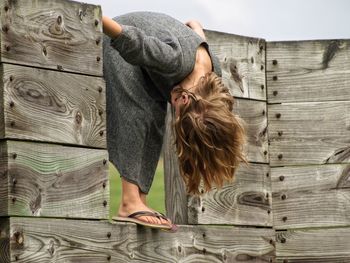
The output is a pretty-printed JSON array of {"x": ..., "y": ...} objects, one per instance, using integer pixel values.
[{"x": 151, "y": 59}]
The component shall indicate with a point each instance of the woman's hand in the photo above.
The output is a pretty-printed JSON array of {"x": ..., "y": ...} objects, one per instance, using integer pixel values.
[
  {"x": 197, "y": 27},
  {"x": 110, "y": 27}
]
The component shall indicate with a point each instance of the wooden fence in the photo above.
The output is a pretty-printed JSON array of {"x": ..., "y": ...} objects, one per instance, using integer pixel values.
[{"x": 291, "y": 204}]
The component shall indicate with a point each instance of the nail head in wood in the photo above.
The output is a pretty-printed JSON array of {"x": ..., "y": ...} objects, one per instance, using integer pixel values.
[
  {"x": 275, "y": 92},
  {"x": 6, "y": 8},
  {"x": 284, "y": 219},
  {"x": 280, "y": 133},
  {"x": 100, "y": 112},
  {"x": 104, "y": 203},
  {"x": 12, "y": 123},
  {"x": 14, "y": 181},
  {"x": 7, "y": 48},
  {"x": 11, "y": 78},
  {"x": 109, "y": 258},
  {"x": 5, "y": 28},
  {"x": 281, "y": 178},
  {"x": 252, "y": 60},
  {"x": 262, "y": 67},
  {"x": 104, "y": 161},
  {"x": 104, "y": 185},
  {"x": 109, "y": 234},
  {"x": 98, "y": 41},
  {"x": 275, "y": 78},
  {"x": 100, "y": 89},
  {"x": 280, "y": 156},
  {"x": 265, "y": 152},
  {"x": 98, "y": 59},
  {"x": 101, "y": 133},
  {"x": 203, "y": 209},
  {"x": 283, "y": 240},
  {"x": 59, "y": 67},
  {"x": 278, "y": 115},
  {"x": 14, "y": 199},
  {"x": 204, "y": 251},
  {"x": 268, "y": 211},
  {"x": 283, "y": 197},
  {"x": 262, "y": 86},
  {"x": 267, "y": 174},
  {"x": 179, "y": 248},
  {"x": 14, "y": 155},
  {"x": 274, "y": 62},
  {"x": 96, "y": 22}
]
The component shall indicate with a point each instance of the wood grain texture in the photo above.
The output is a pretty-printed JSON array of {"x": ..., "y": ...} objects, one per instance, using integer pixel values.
[
  {"x": 55, "y": 181},
  {"x": 64, "y": 35},
  {"x": 311, "y": 196},
  {"x": 310, "y": 133},
  {"x": 175, "y": 189},
  {"x": 314, "y": 245},
  {"x": 253, "y": 114},
  {"x": 246, "y": 201},
  {"x": 4, "y": 180},
  {"x": 55, "y": 240},
  {"x": 45, "y": 105},
  {"x": 317, "y": 70},
  {"x": 242, "y": 62},
  {"x": 4, "y": 240}
]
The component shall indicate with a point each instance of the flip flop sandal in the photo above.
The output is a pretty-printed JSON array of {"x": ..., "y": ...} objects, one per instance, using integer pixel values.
[
  {"x": 173, "y": 226},
  {"x": 132, "y": 218}
]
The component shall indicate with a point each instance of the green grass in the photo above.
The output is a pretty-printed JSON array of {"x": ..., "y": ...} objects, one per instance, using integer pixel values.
[{"x": 155, "y": 198}]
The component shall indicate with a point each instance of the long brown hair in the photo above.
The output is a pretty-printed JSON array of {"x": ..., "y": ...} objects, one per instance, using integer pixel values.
[{"x": 209, "y": 137}]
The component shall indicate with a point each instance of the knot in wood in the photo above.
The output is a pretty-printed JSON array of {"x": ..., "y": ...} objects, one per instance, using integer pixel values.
[
  {"x": 78, "y": 118},
  {"x": 5, "y": 28},
  {"x": 18, "y": 237}
]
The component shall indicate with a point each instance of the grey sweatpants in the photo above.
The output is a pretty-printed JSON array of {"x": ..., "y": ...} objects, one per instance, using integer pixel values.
[{"x": 135, "y": 119}]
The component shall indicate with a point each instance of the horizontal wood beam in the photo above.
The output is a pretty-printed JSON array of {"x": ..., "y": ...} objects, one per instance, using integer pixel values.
[{"x": 47, "y": 240}]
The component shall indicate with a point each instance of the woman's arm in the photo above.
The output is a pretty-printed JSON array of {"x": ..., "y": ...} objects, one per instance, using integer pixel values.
[
  {"x": 196, "y": 27},
  {"x": 137, "y": 48}
]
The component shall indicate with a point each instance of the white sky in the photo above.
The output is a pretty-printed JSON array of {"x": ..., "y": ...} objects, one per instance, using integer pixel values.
[{"x": 269, "y": 19}]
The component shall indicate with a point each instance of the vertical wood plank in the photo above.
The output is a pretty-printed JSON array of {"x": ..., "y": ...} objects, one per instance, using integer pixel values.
[
  {"x": 5, "y": 256},
  {"x": 175, "y": 190},
  {"x": 4, "y": 180},
  {"x": 52, "y": 34}
]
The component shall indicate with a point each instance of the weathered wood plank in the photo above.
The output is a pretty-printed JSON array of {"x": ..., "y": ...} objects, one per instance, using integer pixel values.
[
  {"x": 309, "y": 133},
  {"x": 311, "y": 196},
  {"x": 175, "y": 189},
  {"x": 4, "y": 240},
  {"x": 314, "y": 245},
  {"x": 253, "y": 114},
  {"x": 54, "y": 181},
  {"x": 52, "y": 34},
  {"x": 246, "y": 201},
  {"x": 45, "y": 105},
  {"x": 317, "y": 70},
  {"x": 57, "y": 240},
  {"x": 242, "y": 61}
]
